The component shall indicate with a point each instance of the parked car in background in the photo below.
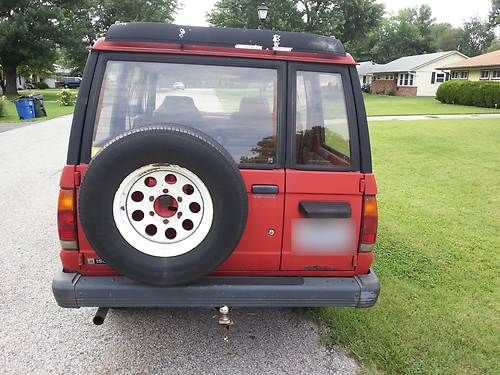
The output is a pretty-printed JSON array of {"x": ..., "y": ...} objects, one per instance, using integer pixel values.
[
  {"x": 178, "y": 86},
  {"x": 69, "y": 82}
]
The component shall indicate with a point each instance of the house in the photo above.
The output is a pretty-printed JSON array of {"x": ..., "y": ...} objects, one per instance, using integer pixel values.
[
  {"x": 483, "y": 67},
  {"x": 365, "y": 74},
  {"x": 418, "y": 75}
]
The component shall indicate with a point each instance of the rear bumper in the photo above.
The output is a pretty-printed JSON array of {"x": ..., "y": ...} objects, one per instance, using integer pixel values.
[{"x": 75, "y": 290}]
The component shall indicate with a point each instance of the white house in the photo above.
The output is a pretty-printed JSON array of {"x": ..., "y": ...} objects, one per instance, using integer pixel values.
[
  {"x": 365, "y": 69},
  {"x": 418, "y": 75}
]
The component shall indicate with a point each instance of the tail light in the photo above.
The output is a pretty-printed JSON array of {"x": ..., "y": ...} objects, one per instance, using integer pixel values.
[
  {"x": 369, "y": 222},
  {"x": 66, "y": 222}
]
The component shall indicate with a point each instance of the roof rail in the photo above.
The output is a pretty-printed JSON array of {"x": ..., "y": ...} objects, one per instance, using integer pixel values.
[{"x": 224, "y": 37}]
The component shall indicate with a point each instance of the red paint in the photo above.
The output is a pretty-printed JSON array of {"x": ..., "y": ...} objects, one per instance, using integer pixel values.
[
  {"x": 325, "y": 187},
  {"x": 259, "y": 253},
  {"x": 170, "y": 48}
]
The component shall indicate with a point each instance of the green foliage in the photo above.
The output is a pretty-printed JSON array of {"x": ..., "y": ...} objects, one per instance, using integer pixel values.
[
  {"x": 494, "y": 16},
  {"x": 347, "y": 20},
  {"x": 66, "y": 98},
  {"x": 476, "y": 37},
  {"x": 446, "y": 37},
  {"x": 40, "y": 85},
  {"x": 408, "y": 33},
  {"x": 494, "y": 46},
  {"x": 3, "y": 104},
  {"x": 476, "y": 93},
  {"x": 30, "y": 31},
  {"x": 90, "y": 20}
]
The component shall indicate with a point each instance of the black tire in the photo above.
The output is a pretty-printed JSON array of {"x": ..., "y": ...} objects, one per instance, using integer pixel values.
[{"x": 173, "y": 144}]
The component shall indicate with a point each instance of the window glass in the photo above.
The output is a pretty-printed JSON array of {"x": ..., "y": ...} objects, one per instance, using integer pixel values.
[
  {"x": 440, "y": 77},
  {"x": 234, "y": 105},
  {"x": 495, "y": 74},
  {"x": 485, "y": 74},
  {"x": 322, "y": 130},
  {"x": 463, "y": 75}
]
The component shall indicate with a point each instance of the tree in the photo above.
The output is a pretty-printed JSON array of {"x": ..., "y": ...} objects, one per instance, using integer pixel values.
[
  {"x": 347, "y": 20},
  {"x": 407, "y": 33},
  {"x": 494, "y": 46},
  {"x": 29, "y": 32},
  {"x": 494, "y": 17},
  {"x": 476, "y": 37},
  {"x": 88, "y": 22},
  {"x": 446, "y": 37}
]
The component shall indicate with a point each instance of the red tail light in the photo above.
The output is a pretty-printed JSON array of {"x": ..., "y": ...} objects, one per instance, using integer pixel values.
[
  {"x": 66, "y": 222},
  {"x": 369, "y": 224}
]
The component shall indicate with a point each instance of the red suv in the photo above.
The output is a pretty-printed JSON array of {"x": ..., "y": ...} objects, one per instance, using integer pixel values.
[{"x": 217, "y": 166}]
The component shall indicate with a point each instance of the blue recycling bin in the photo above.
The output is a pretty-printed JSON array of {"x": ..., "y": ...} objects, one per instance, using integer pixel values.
[{"x": 25, "y": 108}]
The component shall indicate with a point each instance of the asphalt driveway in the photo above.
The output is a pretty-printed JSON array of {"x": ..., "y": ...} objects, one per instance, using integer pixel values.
[{"x": 36, "y": 336}]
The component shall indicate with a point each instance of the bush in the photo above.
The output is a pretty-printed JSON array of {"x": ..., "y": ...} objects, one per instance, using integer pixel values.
[
  {"x": 40, "y": 85},
  {"x": 66, "y": 98},
  {"x": 475, "y": 93},
  {"x": 3, "y": 102}
]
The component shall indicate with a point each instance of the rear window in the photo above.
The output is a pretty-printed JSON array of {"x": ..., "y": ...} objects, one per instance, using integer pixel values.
[
  {"x": 234, "y": 105},
  {"x": 322, "y": 130}
]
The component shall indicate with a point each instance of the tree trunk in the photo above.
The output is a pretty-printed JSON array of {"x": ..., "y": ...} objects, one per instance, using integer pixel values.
[{"x": 10, "y": 80}]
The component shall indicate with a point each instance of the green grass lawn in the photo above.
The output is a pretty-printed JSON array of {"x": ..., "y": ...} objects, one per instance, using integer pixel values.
[
  {"x": 51, "y": 106},
  {"x": 377, "y": 105},
  {"x": 437, "y": 252}
]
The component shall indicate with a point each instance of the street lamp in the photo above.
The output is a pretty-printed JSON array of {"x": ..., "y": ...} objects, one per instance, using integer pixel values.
[{"x": 262, "y": 13}]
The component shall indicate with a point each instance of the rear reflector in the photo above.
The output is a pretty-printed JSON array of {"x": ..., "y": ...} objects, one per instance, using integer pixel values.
[
  {"x": 66, "y": 223},
  {"x": 368, "y": 224}
]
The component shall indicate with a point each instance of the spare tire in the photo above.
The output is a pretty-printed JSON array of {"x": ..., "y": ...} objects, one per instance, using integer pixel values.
[{"x": 163, "y": 204}]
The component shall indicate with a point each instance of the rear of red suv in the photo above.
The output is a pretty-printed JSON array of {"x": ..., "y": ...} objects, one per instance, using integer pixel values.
[{"x": 211, "y": 167}]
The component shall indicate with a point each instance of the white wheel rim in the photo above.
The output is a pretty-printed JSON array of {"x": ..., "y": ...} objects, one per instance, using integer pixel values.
[{"x": 171, "y": 218}]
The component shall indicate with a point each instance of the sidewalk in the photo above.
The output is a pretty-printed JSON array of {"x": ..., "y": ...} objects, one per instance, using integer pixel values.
[{"x": 430, "y": 117}]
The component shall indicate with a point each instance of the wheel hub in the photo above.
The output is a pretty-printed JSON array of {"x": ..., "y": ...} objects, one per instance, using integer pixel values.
[{"x": 163, "y": 210}]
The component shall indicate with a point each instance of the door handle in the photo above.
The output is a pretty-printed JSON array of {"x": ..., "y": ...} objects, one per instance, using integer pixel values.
[
  {"x": 337, "y": 210},
  {"x": 265, "y": 189}
]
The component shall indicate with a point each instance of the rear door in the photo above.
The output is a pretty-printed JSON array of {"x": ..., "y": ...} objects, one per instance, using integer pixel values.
[{"x": 323, "y": 183}]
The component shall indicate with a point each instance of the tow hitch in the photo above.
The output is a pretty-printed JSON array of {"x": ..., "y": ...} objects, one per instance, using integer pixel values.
[{"x": 225, "y": 320}]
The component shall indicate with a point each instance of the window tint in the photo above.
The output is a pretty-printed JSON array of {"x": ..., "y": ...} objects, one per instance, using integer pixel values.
[
  {"x": 234, "y": 105},
  {"x": 322, "y": 131}
]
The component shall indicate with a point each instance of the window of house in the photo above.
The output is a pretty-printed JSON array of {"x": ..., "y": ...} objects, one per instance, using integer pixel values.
[
  {"x": 389, "y": 76},
  {"x": 322, "y": 130},
  {"x": 464, "y": 74},
  {"x": 495, "y": 74},
  {"x": 455, "y": 75},
  {"x": 405, "y": 79},
  {"x": 485, "y": 74},
  {"x": 440, "y": 77}
]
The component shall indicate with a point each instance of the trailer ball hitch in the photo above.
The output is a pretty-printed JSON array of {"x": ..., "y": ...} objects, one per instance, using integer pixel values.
[
  {"x": 225, "y": 320},
  {"x": 100, "y": 315}
]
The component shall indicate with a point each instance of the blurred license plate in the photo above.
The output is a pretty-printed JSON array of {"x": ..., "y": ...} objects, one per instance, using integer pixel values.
[{"x": 323, "y": 236}]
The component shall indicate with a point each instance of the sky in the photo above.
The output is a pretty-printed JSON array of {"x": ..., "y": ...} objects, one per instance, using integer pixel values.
[{"x": 451, "y": 11}]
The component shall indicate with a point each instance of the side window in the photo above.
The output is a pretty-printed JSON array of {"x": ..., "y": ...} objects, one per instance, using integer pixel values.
[
  {"x": 237, "y": 106},
  {"x": 322, "y": 130}
]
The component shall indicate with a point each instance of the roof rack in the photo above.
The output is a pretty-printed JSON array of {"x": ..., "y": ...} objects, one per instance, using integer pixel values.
[{"x": 224, "y": 37}]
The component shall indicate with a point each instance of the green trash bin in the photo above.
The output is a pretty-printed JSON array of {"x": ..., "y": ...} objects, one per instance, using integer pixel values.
[{"x": 39, "y": 106}]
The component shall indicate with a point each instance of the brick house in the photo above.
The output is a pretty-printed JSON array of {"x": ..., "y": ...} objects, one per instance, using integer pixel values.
[{"x": 418, "y": 75}]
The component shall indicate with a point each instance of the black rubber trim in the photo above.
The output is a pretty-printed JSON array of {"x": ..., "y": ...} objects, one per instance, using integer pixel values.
[
  {"x": 334, "y": 210},
  {"x": 74, "y": 290},
  {"x": 77, "y": 126},
  {"x": 362, "y": 123},
  {"x": 265, "y": 189}
]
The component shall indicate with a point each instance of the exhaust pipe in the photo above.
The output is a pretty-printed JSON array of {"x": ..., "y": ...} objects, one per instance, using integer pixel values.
[{"x": 100, "y": 315}]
